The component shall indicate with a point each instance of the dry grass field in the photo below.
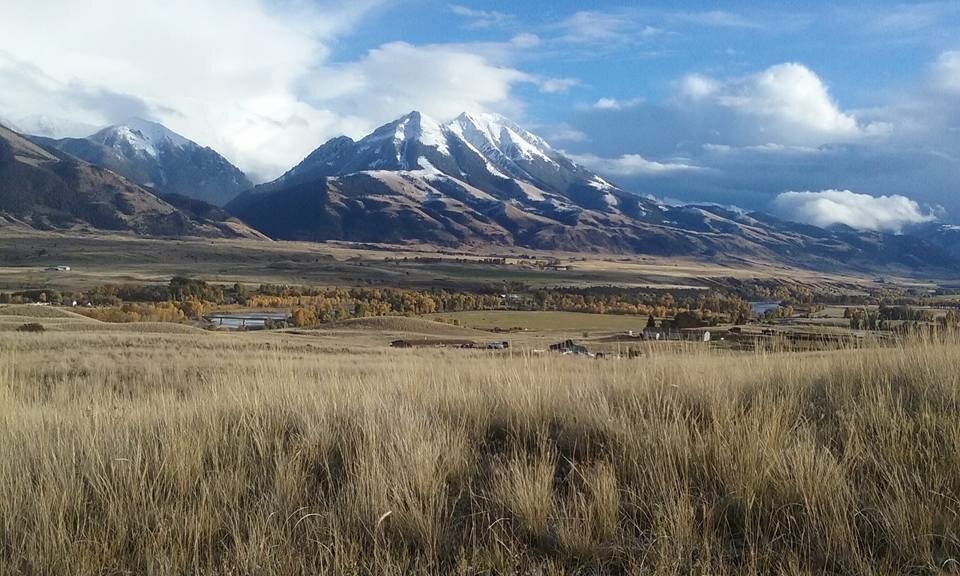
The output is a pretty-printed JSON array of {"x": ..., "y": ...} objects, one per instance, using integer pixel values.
[
  {"x": 142, "y": 452},
  {"x": 98, "y": 259}
]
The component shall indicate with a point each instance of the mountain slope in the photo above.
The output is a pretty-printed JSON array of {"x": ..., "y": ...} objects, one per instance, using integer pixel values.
[
  {"x": 47, "y": 189},
  {"x": 481, "y": 179},
  {"x": 157, "y": 158}
]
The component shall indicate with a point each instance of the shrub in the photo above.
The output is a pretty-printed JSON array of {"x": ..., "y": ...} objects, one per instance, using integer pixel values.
[{"x": 31, "y": 327}]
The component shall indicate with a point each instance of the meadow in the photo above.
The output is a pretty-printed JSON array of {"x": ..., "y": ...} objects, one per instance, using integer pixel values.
[{"x": 148, "y": 451}]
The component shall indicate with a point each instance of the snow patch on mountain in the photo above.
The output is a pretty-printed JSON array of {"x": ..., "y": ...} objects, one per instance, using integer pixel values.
[
  {"x": 135, "y": 139},
  {"x": 600, "y": 184},
  {"x": 457, "y": 130},
  {"x": 494, "y": 133},
  {"x": 434, "y": 135},
  {"x": 532, "y": 192},
  {"x": 428, "y": 169}
]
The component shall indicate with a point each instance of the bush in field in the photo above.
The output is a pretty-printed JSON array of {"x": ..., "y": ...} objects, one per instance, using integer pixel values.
[
  {"x": 31, "y": 327},
  {"x": 191, "y": 308},
  {"x": 149, "y": 312}
]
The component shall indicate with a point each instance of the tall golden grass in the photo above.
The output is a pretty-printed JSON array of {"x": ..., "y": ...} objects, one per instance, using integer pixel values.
[{"x": 175, "y": 454}]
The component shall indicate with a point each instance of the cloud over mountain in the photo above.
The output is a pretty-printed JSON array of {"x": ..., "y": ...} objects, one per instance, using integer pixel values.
[
  {"x": 631, "y": 165},
  {"x": 860, "y": 211},
  {"x": 255, "y": 79},
  {"x": 397, "y": 77},
  {"x": 788, "y": 101}
]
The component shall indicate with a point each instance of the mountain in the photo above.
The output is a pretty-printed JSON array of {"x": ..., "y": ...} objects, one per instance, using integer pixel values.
[
  {"x": 482, "y": 179},
  {"x": 47, "y": 189},
  {"x": 478, "y": 179},
  {"x": 485, "y": 151},
  {"x": 158, "y": 158}
]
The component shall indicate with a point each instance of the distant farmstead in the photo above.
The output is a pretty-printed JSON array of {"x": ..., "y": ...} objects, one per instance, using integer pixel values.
[
  {"x": 433, "y": 343},
  {"x": 568, "y": 347},
  {"x": 695, "y": 335},
  {"x": 249, "y": 320}
]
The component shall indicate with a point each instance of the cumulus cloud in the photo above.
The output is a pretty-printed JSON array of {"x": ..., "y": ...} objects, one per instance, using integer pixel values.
[
  {"x": 253, "y": 79},
  {"x": 788, "y": 100},
  {"x": 697, "y": 87},
  {"x": 860, "y": 211},
  {"x": 223, "y": 72},
  {"x": 395, "y": 78},
  {"x": 631, "y": 165}
]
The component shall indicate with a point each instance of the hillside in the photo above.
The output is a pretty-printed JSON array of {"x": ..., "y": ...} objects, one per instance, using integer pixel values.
[
  {"x": 47, "y": 189},
  {"x": 157, "y": 158}
]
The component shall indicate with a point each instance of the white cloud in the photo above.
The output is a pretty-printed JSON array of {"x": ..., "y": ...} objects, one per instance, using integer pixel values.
[
  {"x": 786, "y": 100},
  {"x": 481, "y": 18},
  {"x": 440, "y": 80},
  {"x": 557, "y": 85},
  {"x": 696, "y": 87},
  {"x": 251, "y": 78},
  {"x": 223, "y": 72},
  {"x": 562, "y": 133},
  {"x": 715, "y": 18},
  {"x": 630, "y": 25},
  {"x": 631, "y": 165},
  {"x": 615, "y": 104},
  {"x": 860, "y": 211},
  {"x": 525, "y": 40},
  {"x": 947, "y": 72},
  {"x": 591, "y": 27},
  {"x": 769, "y": 148}
]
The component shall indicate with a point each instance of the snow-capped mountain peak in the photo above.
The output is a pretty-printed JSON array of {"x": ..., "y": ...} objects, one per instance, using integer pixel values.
[
  {"x": 488, "y": 132},
  {"x": 413, "y": 127},
  {"x": 154, "y": 156},
  {"x": 142, "y": 136},
  {"x": 484, "y": 154}
]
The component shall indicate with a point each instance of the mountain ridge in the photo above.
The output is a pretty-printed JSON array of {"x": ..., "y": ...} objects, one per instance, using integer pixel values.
[
  {"x": 482, "y": 179},
  {"x": 47, "y": 189},
  {"x": 158, "y": 158}
]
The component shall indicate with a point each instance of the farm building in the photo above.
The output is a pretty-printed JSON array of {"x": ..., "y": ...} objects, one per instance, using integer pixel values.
[
  {"x": 433, "y": 343},
  {"x": 568, "y": 347},
  {"x": 248, "y": 320},
  {"x": 695, "y": 335}
]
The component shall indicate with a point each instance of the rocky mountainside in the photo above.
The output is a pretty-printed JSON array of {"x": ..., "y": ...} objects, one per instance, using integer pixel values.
[
  {"x": 481, "y": 179},
  {"x": 157, "y": 158},
  {"x": 47, "y": 189}
]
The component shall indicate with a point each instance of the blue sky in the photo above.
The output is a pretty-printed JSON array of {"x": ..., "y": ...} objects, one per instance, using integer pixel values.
[{"x": 728, "y": 102}]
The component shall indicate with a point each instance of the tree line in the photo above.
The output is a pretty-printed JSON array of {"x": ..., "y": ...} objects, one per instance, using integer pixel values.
[{"x": 183, "y": 298}]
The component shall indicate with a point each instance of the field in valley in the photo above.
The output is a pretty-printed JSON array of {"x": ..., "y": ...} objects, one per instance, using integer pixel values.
[
  {"x": 97, "y": 259},
  {"x": 163, "y": 449}
]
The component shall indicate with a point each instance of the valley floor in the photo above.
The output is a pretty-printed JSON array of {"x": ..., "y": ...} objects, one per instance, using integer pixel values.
[
  {"x": 149, "y": 449},
  {"x": 97, "y": 259}
]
